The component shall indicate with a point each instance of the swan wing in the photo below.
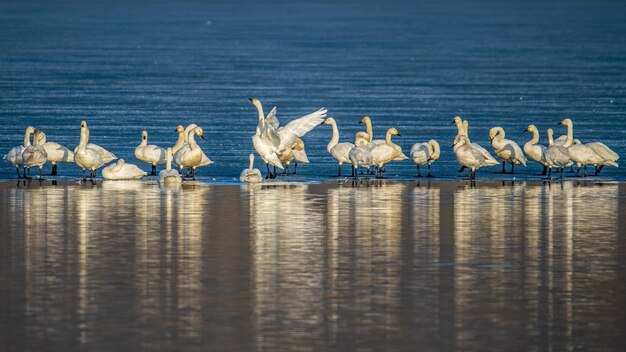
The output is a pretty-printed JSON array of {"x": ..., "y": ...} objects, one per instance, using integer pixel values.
[
  {"x": 271, "y": 118},
  {"x": 299, "y": 156},
  {"x": 299, "y": 127}
]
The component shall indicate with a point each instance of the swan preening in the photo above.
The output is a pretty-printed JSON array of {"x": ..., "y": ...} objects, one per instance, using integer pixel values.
[
  {"x": 425, "y": 154},
  {"x": 122, "y": 171},
  {"x": 283, "y": 145},
  {"x": 271, "y": 140}
]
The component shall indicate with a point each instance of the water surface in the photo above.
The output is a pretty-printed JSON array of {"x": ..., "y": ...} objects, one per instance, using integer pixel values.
[{"x": 313, "y": 267}]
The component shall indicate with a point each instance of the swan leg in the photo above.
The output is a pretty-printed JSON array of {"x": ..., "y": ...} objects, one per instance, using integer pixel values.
[
  {"x": 571, "y": 169},
  {"x": 339, "y": 170},
  {"x": 599, "y": 169},
  {"x": 295, "y": 167},
  {"x": 267, "y": 166},
  {"x": 40, "y": 173},
  {"x": 355, "y": 172},
  {"x": 561, "y": 176},
  {"x": 585, "y": 172},
  {"x": 18, "y": 172},
  {"x": 153, "y": 170},
  {"x": 429, "y": 174},
  {"x": 512, "y": 168},
  {"x": 418, "y": 171},
  {"x": 577, "y": 171},
  {"x": 54, "y": 170},
  {"x": 84, "y": 177},
  {"x": 545, "y": 171}
]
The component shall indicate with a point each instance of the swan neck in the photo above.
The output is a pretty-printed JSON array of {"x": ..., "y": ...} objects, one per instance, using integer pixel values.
[
  {"x": 550, "y": 139},
  {"x": 259, "y": 108},
  {"x": 333, "y": 141},
  {"x": 535, "y": 138},
  {"x": 389, "y": 142},
  {"x": 27, "y": 139},
  {"x": 368, "y": 129},
  {"x": 436, "y": 150},
  {"x": 191, "y": 139},
  {"x": 251, "y": 163},
  {"x": 84, "y": 137},
  {"x": 118, "y": 166},
  {"x": 168, "y": 159},
  {"x": 570, "y": 133}
]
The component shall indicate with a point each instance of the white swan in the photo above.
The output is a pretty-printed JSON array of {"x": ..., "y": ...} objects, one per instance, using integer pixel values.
[
  {"x": 536, "y": 151},
  {"x": 360, "y": 156},
  {"x": 182, "y": 136},
  {"x": 556, "y": 155},
  {"x": 463, "y": 130},
  {"x": 269, "y": 140},
  {"x": 150, "y": 153},
  {"x": 567, "y": 139},
  {"x": 56, "y": 153},
  {"x": 35, "y": 155},
  {"x": 205, "y": 159},
  {"x": 468, "y": 156},
  {"x": 14, "y": 156},
  {"x": 339, "y": 151},
  {"x": 425, "y": 154},
  {"x": 169, "y": 175},
  {"x": 190, "y": 155},
  {"x": 251, "y": 175},
  {"x": 106, "y": 155},
  {"x": 86, "y": 156},
  {"x": 506, "y": 149},
  {"x": 608, "y": 156},
  {"x": 122, "y": 171},
  {"x": 299, "y": 155},
  {"x": 374, "y": 142},
  {"x": 583, "y": 155},
  {"x": 384, "y": 153}
]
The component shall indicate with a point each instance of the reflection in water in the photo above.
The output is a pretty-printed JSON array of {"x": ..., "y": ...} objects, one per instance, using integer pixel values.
[{"x": 133, "y": 266}]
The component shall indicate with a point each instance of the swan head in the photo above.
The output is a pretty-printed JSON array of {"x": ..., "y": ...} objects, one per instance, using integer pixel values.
[
  {"x": 198, "y": 131},
  {"x": 550, "y": 133},
  {"x": 251, "y": 158},
  {"x": 329, "y": 121},
  {"x": 121, "y": 162},
  {"x": 255, "y": 101},
  {"x": 365, "y": 119},
  {"x": 530, "y": 128},
  {"x": 180, "y": 129},
  {"x": 393, "y": 131},
  {"x": 494, "y": 132},
  {"x": 40, "y": 137},
  {"x": 83, "y": 124},
  {"x": 457, "y": 120},
  {"x": 30, "y": 129},
  {"x": 566, "y": 122},
  {"x": 144, "y": 135},
  {"x": 576, "y": 141}
]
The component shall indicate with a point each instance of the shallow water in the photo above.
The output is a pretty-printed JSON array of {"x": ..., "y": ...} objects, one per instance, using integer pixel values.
[
  {"x": 379, "y": 266},
  {"x": 132, "y": 65}
]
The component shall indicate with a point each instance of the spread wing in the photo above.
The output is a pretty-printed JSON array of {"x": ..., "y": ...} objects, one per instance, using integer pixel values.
[
  {"x": 271, "y": 119},
  {"x": 299, "y": 127}
]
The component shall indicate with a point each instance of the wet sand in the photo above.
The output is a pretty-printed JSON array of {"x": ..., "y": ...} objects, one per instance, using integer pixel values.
[{"x": 313, "y": 267}]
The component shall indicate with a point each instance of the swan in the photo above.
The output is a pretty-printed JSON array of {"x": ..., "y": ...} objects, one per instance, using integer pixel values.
[
  {"x": 506, "y": 149},
  {"x": 106, "y": 155},
  {"x": 425, "y": 154},
  {"x": 35, "y": 154},
  {"x": 556, "y": 155},
  {"x": 536, "y": 151},
  {"x": 169, "y": 175},
  {"x": 269, "y": 139},
  {"x": 205, "y": 159},
  {"x": 122, "y": 171},
  {"x": 384, "y": 153},
  {"x": 190, "y": 155},
  {"x": 337, "y": 150},
  {"x": 299, "y": 155},
  {"x": 369, "y": 131},
  {"x": 86, "y": 156},
  {"x": 56, "y": 153},
  {"x": 608, "y": 156},
  {"x": 468, "y": 156},
  {"x": 14, "y": 156},
  {"x": 360, "y": 156},
  {"x": 181, "y": 139},
  {"x": 150, "y": 153},
  {"x": 251, "y": 175},
  {"x": 582, "y": 154},
  {"x": 463, "y": 130}
]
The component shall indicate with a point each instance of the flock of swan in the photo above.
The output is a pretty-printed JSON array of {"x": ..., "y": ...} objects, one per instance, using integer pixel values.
[{"x": 280, "y": 146}]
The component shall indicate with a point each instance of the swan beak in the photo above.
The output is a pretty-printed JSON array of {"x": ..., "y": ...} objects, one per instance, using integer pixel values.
[
  {"x": 452, "y": 123},
  {"x": 526, "y": 130},
  {"x": 201, "y": 136},
  {"x": 399, "y": 135},
  {"x": 252, "y": 100},
  {"x": 361, "y": 121}
]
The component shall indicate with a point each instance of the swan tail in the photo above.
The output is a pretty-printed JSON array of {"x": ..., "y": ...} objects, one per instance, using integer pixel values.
[{"x": 273, "y": 160}]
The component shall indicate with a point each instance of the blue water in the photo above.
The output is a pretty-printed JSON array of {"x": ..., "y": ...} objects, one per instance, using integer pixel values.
[{"x": 128, "y": 66}]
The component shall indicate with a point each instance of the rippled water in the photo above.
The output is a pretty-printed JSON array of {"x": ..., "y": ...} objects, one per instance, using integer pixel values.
[
  {"x": 133, "y": 65},
  {"x": 379, "y": 266}
]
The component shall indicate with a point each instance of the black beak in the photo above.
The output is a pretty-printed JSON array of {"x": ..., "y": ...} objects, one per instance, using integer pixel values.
[
  {"x": 201, "y": 136},
  {"x": 251, "y": 99},
  {"x": 399, "y": 135},
  {"x": 360, "y": 121},
  {"x": 559, "y": 124},
  {"x": 452, "y": 123},
  {"x": 526, "y": 130}
]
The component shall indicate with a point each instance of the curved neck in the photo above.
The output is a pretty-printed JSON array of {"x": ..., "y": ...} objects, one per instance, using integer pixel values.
[
  {"x": 118, "y": 166},
  {"x": 550, "y": 140},
  {"x": 388, "y": 140},
  {"x": 27, "y": 138},
  {"x": 570, "y": 133},
  {"x": 368, "y": 129},
  {"x": 436, "y": 150},
  {"x": 535, "y": 138},
  {"x": 333, "y": 141},
  {"x": 259, "y": 108},
  {"x": 180, "y": 141},
  {"x": 191, "y": 140}
]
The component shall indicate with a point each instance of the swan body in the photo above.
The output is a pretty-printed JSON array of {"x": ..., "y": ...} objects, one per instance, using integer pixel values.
[
  {"x": 468, "y": 156},
  {"x": 169, "y": 175},
  {"x": 384, "y": 153},
  {"x": 14, "y": 156},
  {"x": 463, "y": 130},
  {"x": 339, "y": 151},
  {"x": 56, "y": 153},
  {"x": 122, "y": 171},
  {"x": 506, "y": 149},
  {"x": 360, "y": 156},
  {"x": 270, "y": 140},
  {"x": 35, "y": 155},
  {"x": 149, "y": 153},
  {"x": 298, "y": 155},
  {"x": 190, "y": 155},
  {"x": 608, "y": 156},
  {"x": 251, "y": 175},
  {"x": 370, "y": 132},
  {"x": 582, "y": 154},
  {"x": 557, "y": 156},
  {"x": 205, "y": 159},
  {"x": 106, "y": 155},
  {"x": 425, "y": 154},
  {"x": 536, "y": 152},
  {"x": 86, "y": 156}
]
